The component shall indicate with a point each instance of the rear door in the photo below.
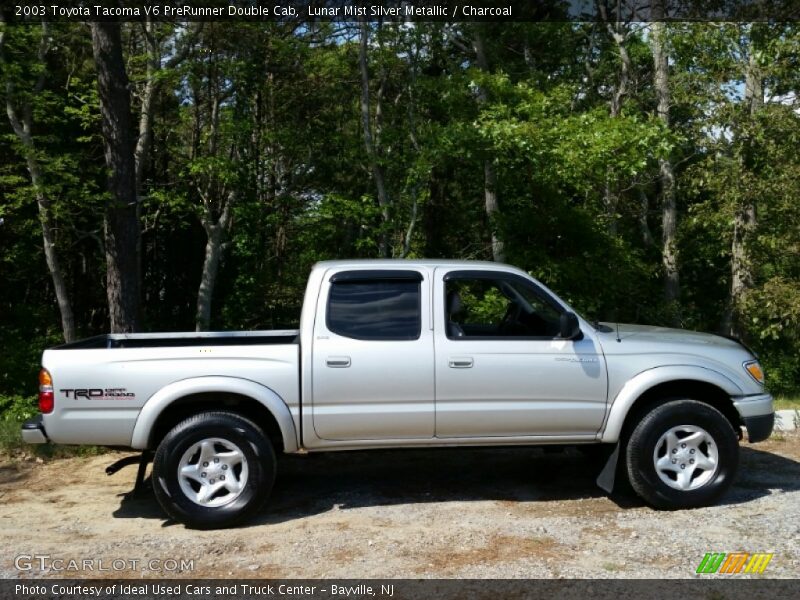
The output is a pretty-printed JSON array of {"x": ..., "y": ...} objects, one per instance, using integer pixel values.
[{"x": 372, "y": 357}]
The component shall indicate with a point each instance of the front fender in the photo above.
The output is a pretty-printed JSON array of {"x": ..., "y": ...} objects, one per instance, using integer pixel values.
[
  {"x": 159, "y": 401},
  {"x": 646, "y": 380}
]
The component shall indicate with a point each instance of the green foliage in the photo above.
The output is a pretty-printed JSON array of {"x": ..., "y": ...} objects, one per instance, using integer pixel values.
[
  {"x": 773, "y": 310},
  {"x": 273, "y": 113},
  {"x": 17, "y": 408},
  {"x": 10, "y": 437},
  {"x": 14, "y": 410},
  {"x": 484, "y": 304},
  {"x": 577, "y": 153},
  {"x": 787, "y": 403}
]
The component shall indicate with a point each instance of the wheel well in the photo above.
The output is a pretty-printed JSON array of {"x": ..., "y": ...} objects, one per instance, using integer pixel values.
[
  {"x": 193, "y": 404},
  {"x": 701, "y": 391}
]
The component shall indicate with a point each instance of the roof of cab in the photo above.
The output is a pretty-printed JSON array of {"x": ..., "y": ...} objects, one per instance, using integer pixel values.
[{"x": 401, "y": 263}]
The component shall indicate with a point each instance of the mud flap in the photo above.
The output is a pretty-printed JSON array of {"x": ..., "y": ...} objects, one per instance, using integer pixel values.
[{"x": 605, "y": 481}]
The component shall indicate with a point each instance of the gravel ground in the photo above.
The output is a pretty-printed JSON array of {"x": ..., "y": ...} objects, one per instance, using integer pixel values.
[{"x": 508, "y": 513}]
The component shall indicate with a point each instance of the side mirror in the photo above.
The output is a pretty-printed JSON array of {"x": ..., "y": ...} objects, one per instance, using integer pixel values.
[{"x": 570, "y": 328}]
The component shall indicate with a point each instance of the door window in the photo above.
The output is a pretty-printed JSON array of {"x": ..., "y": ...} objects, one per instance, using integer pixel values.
[
  {"x": 487, "y": 306},
  {"x": 375, "y": 309}
]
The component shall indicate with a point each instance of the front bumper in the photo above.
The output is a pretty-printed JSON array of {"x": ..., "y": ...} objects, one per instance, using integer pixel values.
[
  {"x": 758, "y": 415},
  {"x": 33, "y": 431},
  {"x": 759, "y": 428}
]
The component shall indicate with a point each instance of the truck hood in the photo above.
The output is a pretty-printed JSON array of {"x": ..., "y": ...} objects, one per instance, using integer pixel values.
[
  {"x": 654, "y": 335},
  {"x": 643, "y": 347}
]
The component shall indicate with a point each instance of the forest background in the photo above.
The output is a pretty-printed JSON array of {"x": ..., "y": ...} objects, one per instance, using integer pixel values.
[{"x": 185, "y": 176}]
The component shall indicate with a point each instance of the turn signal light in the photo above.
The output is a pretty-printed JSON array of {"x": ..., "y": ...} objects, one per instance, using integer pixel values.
[
  {"x": 47, "y": 400},
  {"x": 755, "y": 370},
  {"x": 44, "y": 377}
]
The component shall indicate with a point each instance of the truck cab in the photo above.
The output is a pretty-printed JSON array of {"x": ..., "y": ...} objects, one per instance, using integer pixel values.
[{"x": 434, "y": 351}]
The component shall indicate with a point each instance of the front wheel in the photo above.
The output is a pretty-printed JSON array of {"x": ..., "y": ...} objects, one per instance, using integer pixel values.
[
  {"x": 682, "y": 454},
  {"x": 213, "y": 470}
]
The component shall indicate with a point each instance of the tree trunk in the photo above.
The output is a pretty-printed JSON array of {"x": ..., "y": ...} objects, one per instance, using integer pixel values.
[
  {"x": 216, "y": 194},
  {"x": 669, "y": 211},
  {"x": 215, "y": 233},
  {"x": 153, "y": 63},
  {"x": 492, "y": 209},
  {"x": 610, "y": 193},
  {"x": 22, "y": 124},
  {"x": 744, "y": 223},
  {"x": 745, "y": 218},
  {"x": 122, "y": 228},
  {"x": 611, "y": 204},
  {"x": 48, "y": 236},
  {"x": 411, "y": 116},
  {"x": 489, "y": 174},
  {"x": 644, "y": 226},
  {"x": 369, "y": 142},
  {"x": 152, "y": 83}
]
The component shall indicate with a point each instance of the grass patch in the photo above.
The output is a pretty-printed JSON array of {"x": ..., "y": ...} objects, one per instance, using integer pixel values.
[
  {"x": 12, "y": 447},
  {"x": 10, "y": 437},
  {"x": 787, "y": 402},
  {"x": 14, "y": 411}
]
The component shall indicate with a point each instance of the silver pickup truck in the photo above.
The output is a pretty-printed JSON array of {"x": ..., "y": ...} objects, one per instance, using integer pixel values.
[{"x": 408, "y": 354}]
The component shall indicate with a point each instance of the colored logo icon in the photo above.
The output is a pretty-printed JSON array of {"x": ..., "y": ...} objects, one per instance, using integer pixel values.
[{"x": 734, "y": 562}]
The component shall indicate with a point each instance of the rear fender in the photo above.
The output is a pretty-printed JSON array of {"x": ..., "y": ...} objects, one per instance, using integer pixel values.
[{"x": 159, "y": 401}]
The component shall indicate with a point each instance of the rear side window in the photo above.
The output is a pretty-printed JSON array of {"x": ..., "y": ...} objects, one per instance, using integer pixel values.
[{"x": 375, "y": 310}]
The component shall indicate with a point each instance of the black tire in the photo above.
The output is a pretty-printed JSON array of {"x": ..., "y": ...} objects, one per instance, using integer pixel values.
[
  {"x": 256, "y": 455},
  {"x": 704, "y": 486}
]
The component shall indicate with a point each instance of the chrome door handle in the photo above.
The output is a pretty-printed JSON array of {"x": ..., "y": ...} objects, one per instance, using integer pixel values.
[
  {"x": 338, "y": 362},
  {"x": 461, "y": 362}
]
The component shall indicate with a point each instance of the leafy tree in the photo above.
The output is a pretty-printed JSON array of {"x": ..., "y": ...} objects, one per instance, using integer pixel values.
[{"x": 605, "y": 158}]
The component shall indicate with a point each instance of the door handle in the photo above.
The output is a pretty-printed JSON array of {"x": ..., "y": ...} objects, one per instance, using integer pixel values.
[
  {"x": 461, "y": 362},
  {"x": 338, "y": 362}
]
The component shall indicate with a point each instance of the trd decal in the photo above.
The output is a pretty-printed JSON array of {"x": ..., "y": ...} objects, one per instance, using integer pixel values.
[{"x": 98, "y": 393}]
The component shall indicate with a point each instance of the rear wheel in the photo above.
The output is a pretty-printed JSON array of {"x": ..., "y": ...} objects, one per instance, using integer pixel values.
[
  {"x": 213, "y": 470},
  {"x": 682, "y": 454}
]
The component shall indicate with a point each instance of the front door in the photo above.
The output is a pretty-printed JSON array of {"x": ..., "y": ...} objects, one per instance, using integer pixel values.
[
  {"x": 372, "y": 371},
  {"x": 501, "y": 368}
]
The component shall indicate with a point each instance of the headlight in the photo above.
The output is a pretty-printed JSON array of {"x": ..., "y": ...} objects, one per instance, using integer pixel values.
[{"x": 755, "y": 370}]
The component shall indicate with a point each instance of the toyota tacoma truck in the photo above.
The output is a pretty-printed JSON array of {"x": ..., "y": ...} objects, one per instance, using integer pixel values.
[{"x": 408, "y": 354}]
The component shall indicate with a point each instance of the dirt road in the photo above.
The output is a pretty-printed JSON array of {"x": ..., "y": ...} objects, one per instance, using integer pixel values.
[{"x": 446, "y": 513}]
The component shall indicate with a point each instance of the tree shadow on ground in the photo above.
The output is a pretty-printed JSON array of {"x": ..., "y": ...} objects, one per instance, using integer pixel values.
[{"x": 317, "y": 483}]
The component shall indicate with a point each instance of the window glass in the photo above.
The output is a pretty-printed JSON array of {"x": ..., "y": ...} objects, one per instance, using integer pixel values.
[
  {"x": 375, "y": 310},
  {"x": 481, "y": 307}
]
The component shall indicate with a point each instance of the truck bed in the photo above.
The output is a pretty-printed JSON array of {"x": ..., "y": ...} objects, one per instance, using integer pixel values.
[
  {"x": 102, "y": 383},
  {"x": 187, "y": 338}
]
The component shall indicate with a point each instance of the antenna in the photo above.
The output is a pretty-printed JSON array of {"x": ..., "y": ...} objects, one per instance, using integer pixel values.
[{"x": 619, "y": 340}]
